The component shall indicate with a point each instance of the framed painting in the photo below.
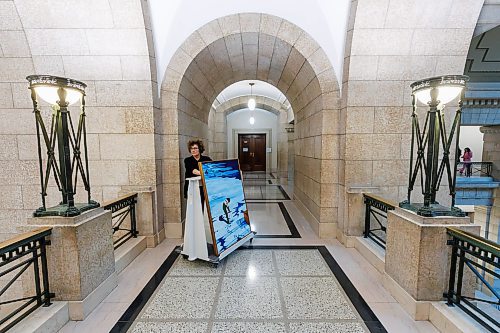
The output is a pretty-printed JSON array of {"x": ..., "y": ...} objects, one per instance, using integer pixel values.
[{"x": 225, "y": 202}]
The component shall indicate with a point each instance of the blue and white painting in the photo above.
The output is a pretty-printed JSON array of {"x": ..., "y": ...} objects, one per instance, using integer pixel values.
[{"x": 226, "y": 202}]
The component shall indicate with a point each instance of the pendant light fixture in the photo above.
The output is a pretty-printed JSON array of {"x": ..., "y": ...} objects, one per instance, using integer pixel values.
[{"x": 251, "y": 104}]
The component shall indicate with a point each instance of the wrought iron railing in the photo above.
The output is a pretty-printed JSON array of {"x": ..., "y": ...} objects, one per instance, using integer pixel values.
[
  {"x": 480, "y": 256},
  {"x": 123, "y": 218},
  {"x": 376, "y": 218},
  {"x": 17, "y": 255},
  {"x": 480, "y": 169}
]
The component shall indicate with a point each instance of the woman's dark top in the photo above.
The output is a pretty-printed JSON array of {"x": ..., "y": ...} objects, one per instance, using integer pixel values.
[{"x": 190, "y": 163}]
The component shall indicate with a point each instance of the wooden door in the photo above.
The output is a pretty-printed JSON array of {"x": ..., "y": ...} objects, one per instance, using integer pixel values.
[{"x": 252, "y": 152}]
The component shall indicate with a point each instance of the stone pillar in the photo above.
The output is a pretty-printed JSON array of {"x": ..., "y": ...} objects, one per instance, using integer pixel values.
[
  {"x": 147, "y": 224},
  {"x": 417, "y": 258},
  {"x": 80, "y": 259},
  {"x": 491, "y": 148}
]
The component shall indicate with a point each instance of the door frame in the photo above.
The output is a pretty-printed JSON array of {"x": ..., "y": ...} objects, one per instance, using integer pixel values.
[{"x": 267, "y": 131}]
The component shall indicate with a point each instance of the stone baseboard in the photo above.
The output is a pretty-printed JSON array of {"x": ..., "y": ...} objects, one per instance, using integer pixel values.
[
  {"x": 418, "y": 310},
  {"x": 126, "y": 253},
  {"x": 452, "y": 319},
  {"x": 373, "y": 253},
  {"x": 44, "y": 319},
  {"x": 79, "y": 310}
]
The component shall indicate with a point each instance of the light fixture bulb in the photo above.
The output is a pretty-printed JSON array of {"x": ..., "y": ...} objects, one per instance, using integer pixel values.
[
  {"x": 252, "y": 120},
  {"x": 445, "y": 94},
  {"x": 47, "y": 87},
  {"x": 251, "y": 104},
  {"x": 448, "y": 88},
  {"x": 49, "y": 94}
]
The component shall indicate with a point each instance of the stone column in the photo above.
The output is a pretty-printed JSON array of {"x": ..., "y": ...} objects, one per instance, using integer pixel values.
[
  {"x": 147, "y": 224},
  {"x": 80, "y": 259},
  {"x": 417, "y": 259},
  {"x": 491, "y": 148}
]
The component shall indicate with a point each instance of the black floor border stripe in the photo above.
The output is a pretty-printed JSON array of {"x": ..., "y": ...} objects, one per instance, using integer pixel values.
[
  {"x": 369, "y": 318},
  {"x": 129, "y": 316},
  {"x": 366, "y": 313},
  {"x": 283, "y": 192},
  {"x": 294, "y": 233}
]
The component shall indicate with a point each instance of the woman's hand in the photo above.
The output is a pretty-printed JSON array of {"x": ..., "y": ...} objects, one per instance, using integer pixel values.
[{"x": 196, "y": 172}]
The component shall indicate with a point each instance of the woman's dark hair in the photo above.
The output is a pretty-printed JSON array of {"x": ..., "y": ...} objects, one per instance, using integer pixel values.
[
  {"x": 199, "y": 143},
  {"x": 467, "y": 149}
]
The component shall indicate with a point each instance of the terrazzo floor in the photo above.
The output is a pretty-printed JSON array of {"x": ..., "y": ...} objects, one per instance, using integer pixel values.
[
  {"x": 288, "y": 280},
  {"x": 254, "y": 290}
]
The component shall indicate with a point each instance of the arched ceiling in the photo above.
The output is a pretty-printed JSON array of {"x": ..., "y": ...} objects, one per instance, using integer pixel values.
[
  {"x": 242, "y": 89},
  {"x": 250, "y": 47},
  {"x": 173, "y": 21}
]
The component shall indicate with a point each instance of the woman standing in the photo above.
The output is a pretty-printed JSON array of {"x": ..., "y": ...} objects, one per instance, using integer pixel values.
[
  {"x": 196, "y": 149},
  {"x": 467, "y": 159}
]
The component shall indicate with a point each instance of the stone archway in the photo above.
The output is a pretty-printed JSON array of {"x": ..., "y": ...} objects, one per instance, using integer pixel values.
[
  {"x": 266, "y": 48},
  {"x": 218, "y": 130}
]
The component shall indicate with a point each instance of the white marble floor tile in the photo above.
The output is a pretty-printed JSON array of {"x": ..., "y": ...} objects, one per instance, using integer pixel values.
[
  {"x": 248, "y": 327},
  {"x": 395, "y": 319},
  {"x": 301, "y": 262},
  {"x": 170, "y": 327},
  {"x": 102, "y": 319},
  {"x": 250, "y": 263},
  {"x": 267, "y": 219},
  {"x": 182, "y": 298},
  {"x": 315, "y": 298},
  {"x": 243, "y": 298}
]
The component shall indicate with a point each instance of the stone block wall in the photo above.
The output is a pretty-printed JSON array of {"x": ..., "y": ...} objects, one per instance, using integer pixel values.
[
  {"x": 390, "y": 45},
  {"x": 105, "y": 44}
]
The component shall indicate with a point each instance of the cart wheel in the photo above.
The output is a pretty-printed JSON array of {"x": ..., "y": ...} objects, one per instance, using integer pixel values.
[
  {"x": 251, "y": 240},
  {"x": 185, "y": 256}
]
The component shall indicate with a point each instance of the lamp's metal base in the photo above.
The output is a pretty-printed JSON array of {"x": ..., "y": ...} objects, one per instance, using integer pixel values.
[
  {"x": 433, "y": 210},
  {"x": 64, "y": 210}
]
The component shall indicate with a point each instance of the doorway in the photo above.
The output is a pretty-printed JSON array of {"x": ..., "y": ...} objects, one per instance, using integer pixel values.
[{"x": 252, "y": 152}]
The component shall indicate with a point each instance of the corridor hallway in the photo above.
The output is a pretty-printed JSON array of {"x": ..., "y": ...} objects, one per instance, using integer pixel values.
[{"x": 287, "y": 280}]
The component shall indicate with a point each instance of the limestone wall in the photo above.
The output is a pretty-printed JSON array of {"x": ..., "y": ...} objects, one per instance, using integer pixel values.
[
  {"x": 391, "y": 44},
  {"x": 105, "y": 44}
]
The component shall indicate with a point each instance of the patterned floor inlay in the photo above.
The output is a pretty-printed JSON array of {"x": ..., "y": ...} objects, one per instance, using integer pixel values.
[{"x": 256, "y": 289}]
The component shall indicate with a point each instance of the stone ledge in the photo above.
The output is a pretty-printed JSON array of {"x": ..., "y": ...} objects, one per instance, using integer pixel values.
[
  {"x": 452, "y": 319},
  {"x": 79, "y": 310},
  {"x": 373, "y": 253},
  {"x": 418, "y": 310},
  {"x": 44, "y": 319},
  {"x": 126, "y": 253}
]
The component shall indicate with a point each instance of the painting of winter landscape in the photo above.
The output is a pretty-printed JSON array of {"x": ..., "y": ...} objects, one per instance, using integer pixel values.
[{"x": 226, "y": 206}]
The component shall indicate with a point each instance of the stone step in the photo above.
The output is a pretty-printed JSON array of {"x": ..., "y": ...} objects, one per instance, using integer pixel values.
[
  {"x": 44, "y": 319},
  {"x": 126, "y": 253}
]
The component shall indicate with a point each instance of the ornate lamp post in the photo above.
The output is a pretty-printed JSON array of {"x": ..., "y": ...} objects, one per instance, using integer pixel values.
[
  {"x": 61, "y": 93},
  {"x": 434, "y": 92}
]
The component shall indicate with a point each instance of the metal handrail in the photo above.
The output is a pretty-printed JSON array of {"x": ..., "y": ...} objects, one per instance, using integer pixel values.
[
  {"x": 481, "y": 256},
  {"x": 121, "y": 208},
  {"x": 483, "y": 169},
  {"x": 376, "y": 208},
  {"x": 16, "y": 256}
]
